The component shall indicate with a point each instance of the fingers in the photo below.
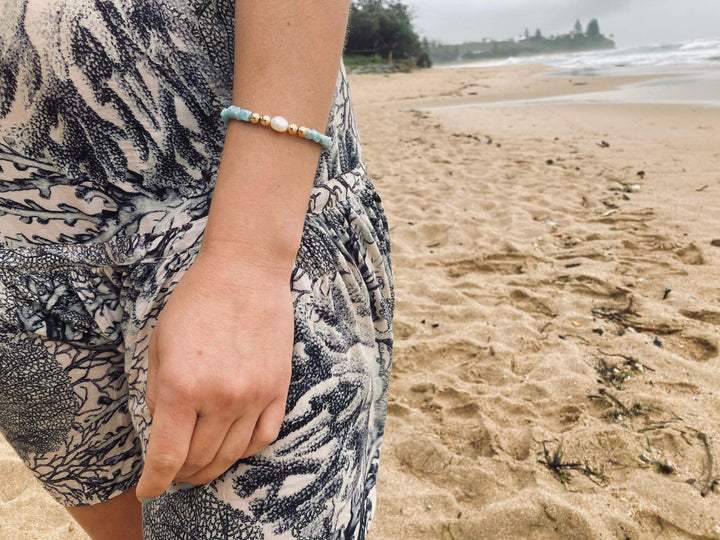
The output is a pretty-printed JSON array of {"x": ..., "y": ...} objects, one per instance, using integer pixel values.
[
  {"x": 267, "y": 428},
  {"x": 243, "y": 439},
  {"x": 170, "y": 437},
  {"x": 210, "y": 431},
  {"x": 232, "y": 448}
]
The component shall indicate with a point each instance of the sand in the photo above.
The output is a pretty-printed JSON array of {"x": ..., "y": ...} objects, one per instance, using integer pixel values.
[{"x": 558, "y": 315}]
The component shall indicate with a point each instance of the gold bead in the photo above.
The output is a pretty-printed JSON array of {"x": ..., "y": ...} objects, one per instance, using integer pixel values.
[
  {"x": 265, "y": 120},
  {"x": 302, "y": 131},
  {"x": 254, "y": 118},
  {"x": 293, "y": 129}
]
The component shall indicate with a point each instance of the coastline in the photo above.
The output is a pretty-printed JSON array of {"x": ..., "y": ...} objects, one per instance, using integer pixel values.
[
  {"x": 697, "y": 85},
  {"x": 516, "y": 236}
]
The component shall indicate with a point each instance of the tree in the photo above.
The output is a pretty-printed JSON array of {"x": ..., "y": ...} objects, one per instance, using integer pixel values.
[
  {"x": 578, "y": 27},
  {"x": 593, "y": 29},
  {"x": 527, "y": 33},
  {"x": 538, "y": 34},
  {"x": 382, "y": 27},
  {"x": 393, "y": 30},
  {"x": 362, "y": 29}
]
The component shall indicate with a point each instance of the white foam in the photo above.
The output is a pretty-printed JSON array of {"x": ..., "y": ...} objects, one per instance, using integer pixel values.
[{"x": 688, "y": 53}]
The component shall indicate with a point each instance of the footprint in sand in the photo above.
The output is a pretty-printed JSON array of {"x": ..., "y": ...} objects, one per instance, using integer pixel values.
[
  {"x": 529, "y": 303},
  {"x": 511, "y": 264},
  {"x": 691, "y": 254},
  {"x": 711, "y": 317},
  {"x": 698, "y": 348},
  {"x": 596, "y": 288}
]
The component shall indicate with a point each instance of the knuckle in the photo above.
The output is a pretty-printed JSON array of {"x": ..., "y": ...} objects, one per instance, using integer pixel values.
[
  {"x": 232, "y": 397},
  {"x": 225, "y": 458},
  {"x": 227, "y": 399},
  {"x": 165, "y": 463},
  {"x": 180, "y": 389},
  {"x": 192, "y": 466},
  {"x": 267, "y": 435}
]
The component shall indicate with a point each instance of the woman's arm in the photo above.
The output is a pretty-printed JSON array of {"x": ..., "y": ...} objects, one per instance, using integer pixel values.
[{"x": 220, "y": 355}]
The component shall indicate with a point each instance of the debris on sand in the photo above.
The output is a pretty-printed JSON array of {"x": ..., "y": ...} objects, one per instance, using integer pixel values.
[
  {"x": 561, "y": 470},
  {"x": 486, "y": 139},
  {"x": 627, "y": 318},
  {"x": 616, "y": 374},
  {"x": 663, "y": 467}
]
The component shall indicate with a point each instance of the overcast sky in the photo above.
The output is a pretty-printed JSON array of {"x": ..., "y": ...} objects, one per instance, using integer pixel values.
[{"x": 632, "y": 22}]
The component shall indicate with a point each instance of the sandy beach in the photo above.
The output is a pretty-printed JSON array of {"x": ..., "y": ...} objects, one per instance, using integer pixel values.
[{"x": 557, "y": 266}]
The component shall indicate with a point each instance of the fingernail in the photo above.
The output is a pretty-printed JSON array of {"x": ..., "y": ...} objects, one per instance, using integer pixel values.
[
  {"x": 146, "y": 499},
  {"x": 183, "y": 485}
]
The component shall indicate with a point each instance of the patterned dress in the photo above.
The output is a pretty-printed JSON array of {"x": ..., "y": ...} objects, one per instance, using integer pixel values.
[{"x": 110, "y": 141}]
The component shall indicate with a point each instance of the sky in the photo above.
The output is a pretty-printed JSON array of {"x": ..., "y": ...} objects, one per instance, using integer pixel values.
[{"x": 632, "y": 22}]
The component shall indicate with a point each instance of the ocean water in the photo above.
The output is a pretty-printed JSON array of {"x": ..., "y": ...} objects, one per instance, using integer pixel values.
[
  {"x": 609, "y": 62},
  {"x": 688, "y": 73}
]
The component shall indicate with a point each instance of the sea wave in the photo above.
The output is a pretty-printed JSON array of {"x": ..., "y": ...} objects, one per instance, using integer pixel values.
[{"x": 688, "y": 53}]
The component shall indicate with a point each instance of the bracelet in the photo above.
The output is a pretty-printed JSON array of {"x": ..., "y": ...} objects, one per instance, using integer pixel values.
[{"x": 278, "y": 123}]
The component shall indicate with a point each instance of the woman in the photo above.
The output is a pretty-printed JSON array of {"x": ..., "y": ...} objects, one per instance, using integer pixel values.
[{"x": 236, "y": 387}]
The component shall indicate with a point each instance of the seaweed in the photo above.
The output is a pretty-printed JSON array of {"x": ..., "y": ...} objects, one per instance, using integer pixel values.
[
  {"x": 446, "y": 533},
  {"x": 561, "y": 470},
  {"x": 615, "y": 375},
  {"x": 709, "y": 482}
]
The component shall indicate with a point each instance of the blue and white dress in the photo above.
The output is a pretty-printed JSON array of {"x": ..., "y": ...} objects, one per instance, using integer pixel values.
[{"x": 110, "y": 140}]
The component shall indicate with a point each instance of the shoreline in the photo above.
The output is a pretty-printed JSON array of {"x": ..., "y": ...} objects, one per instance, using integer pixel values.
[{"x": 698, "y": 86}]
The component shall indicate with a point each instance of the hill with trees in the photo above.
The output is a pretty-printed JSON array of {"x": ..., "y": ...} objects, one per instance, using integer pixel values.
[{"x": 525, "y": 45}]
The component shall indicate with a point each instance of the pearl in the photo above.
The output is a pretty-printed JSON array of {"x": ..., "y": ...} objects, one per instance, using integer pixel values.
[
  {"x": 254, "y": 118},
  {"x": 265, "y": 120},
  {"x": 293, "y": 129},
  {"x": 302, "y": 131},
  {"x": 279, "y": 124}
]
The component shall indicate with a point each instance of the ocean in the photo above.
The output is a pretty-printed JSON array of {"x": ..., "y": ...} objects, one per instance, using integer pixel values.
[{"x": 692, "y": 69}]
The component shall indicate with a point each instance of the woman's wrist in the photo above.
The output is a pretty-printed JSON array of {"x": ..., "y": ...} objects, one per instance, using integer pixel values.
[
  {"x": 252, "y": 253},
  {"x": 261, "y": 196}
]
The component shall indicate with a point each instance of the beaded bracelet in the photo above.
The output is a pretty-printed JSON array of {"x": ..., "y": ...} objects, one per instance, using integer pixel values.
[{"x": 278, "y": 123}]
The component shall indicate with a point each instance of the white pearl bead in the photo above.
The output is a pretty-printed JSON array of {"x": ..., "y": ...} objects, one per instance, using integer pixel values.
[{"x": 279, "y": 124}]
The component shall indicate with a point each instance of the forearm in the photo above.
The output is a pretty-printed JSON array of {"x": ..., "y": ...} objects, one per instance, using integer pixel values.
[{"x": 287, "y": 56}]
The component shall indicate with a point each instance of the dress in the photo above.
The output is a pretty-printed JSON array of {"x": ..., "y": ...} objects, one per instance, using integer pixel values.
[{"x": 110, "y": 139}]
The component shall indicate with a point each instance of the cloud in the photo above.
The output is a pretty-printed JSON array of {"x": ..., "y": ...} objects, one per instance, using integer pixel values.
[{"x": 631, "y": 21}]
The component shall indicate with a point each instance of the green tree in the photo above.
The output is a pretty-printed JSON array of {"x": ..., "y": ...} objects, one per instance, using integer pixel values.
[
  {"x": 382, "y": 27},
  {"x": 394, "y": 32},
  {"x": 362, "y": 30},
  {"x": 593, "y": 29},
  {"x": 578, "y": 27},
  {"x": 538, "y": 34}
]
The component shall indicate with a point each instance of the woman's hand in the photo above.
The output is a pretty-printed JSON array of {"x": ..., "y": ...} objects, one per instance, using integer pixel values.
[
  {"x": 219, "y": 371},
  {"x": 220, "y": 355}
]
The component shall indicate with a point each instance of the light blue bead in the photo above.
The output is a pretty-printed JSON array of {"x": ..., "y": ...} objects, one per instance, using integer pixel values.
[
  {"x": 323, "y": 140},
  {"x": 235, "y": 113}
]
